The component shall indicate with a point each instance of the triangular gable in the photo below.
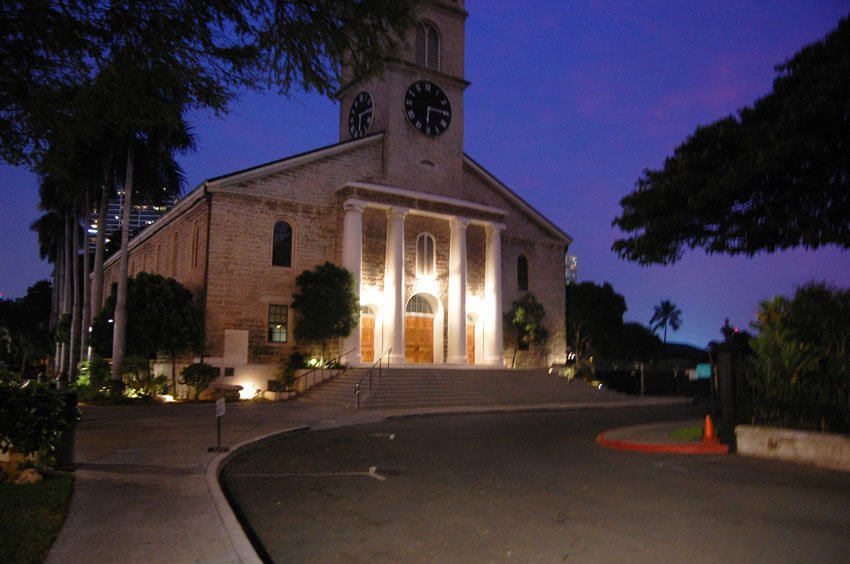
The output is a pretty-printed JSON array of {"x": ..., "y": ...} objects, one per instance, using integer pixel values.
[
  {"x": 287, "y": 163},
  {"x": 514, "y": 198}
]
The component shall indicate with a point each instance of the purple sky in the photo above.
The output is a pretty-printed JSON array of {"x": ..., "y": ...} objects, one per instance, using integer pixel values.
[{"x": 569, "y": 102}]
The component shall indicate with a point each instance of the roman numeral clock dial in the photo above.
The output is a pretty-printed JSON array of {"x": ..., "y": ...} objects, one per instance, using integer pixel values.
[
  {"x": 427, "y": 108},
  {"x": 360, "y": 115}
]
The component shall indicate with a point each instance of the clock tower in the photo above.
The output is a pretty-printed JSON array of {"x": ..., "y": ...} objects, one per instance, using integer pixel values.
[{"x": 417, "y": 104}]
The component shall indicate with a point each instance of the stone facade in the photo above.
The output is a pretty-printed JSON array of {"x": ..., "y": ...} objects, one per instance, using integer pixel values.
[{"x": 373, "y": 205}]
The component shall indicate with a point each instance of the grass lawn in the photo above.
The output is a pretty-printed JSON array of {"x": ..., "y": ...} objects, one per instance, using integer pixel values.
[
  {"x": 31, "y": 517},
  {"x": 692, "y": 433}
]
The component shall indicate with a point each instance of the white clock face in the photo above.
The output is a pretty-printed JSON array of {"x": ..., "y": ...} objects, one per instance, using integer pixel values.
[{"x": 360, "y": 115}]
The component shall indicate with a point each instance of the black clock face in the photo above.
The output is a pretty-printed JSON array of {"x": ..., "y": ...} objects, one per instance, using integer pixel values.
[
  {"x": 360, "y": 115},
  {"x": 427, "y": 108}
]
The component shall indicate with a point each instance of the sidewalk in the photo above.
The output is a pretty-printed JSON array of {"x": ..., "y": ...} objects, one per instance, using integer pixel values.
[{"x": 147, "y": 489}]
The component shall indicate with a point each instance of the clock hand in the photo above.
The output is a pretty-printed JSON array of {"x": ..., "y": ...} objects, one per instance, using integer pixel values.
[
  {"x": 360, "y": 117},
  {"x": 436, "y": 111}
]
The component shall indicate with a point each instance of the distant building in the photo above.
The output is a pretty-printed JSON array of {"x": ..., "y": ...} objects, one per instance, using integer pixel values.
[
  {"x": 142, "y": 215},
  {"x": 571, "y": 268}
]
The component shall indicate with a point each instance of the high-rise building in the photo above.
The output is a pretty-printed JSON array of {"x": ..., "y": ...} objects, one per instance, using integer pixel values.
[
  {"x": 571, "y": 268},
  {"x": 141, "y": 215}
]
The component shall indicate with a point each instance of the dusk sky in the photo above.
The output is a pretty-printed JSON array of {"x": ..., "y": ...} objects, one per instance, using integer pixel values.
[{"x": 569, "y": 101}]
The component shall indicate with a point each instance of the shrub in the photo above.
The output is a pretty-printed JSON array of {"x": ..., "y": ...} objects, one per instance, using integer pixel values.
[
  {"x": 799, "y": 375},
  {"x": 32, "y": 420},
  {"x": 92, "y": 383},
  {"x": 198, "y": 375},
  {"x": 286, "y": 371}
]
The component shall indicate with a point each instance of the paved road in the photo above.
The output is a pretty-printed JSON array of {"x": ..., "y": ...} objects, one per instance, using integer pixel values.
[{"x": 529, "y": 487}]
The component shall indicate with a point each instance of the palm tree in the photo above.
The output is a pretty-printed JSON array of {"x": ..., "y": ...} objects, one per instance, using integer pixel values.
[
  {"x": 49, "y": 228},
  {"x": 666, "y": 313},
  {"x": 158, "y": 174}
]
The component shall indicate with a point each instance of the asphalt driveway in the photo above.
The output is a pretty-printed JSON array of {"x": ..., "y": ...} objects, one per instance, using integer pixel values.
[{"x": 528, "y": 487}]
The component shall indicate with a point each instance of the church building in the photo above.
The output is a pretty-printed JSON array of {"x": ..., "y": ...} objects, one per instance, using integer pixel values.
[{"x": 439, "y": 248}]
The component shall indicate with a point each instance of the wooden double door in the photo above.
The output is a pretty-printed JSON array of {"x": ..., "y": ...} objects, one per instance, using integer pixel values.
[{"x": 418, "y": 339}]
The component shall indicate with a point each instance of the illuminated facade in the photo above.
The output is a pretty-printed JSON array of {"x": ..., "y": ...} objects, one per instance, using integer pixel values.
[{"x": 439, "y": 248}]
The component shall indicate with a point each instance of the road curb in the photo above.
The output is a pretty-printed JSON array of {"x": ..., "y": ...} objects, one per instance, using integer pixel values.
[
  {"x": 242, "y": 546},
  {"x": 705, "y": 447}
]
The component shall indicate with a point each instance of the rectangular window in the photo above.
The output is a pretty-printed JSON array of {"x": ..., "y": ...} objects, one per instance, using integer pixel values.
[{"x": 278, "y": 323}]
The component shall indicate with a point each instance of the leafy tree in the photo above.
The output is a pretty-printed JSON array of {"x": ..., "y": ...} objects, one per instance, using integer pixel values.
[
  {"x": 45, "y": 54},
  {"x": 638, "y": 342},
  {"x": 26, "y": 324},
  {"x": 525, "y": 319},
  {"x": 326, "y": 303},
  {"x": 666, "y": 313},
  {"x": 595, "y": 319},
  {"x": 163, "y": 319},
  {"x": 800, "y": 370},
  {"x": 775, "y": 176},
  {"x": 51, "y": 50}
]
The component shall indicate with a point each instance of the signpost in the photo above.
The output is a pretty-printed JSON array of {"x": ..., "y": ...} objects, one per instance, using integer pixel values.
[{"x": 219, "y": 413}]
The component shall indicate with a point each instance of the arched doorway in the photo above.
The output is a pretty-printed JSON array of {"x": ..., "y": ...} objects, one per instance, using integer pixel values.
[
  {"x": 419, "y": 331},
  {"x": 367, "y": 334}
]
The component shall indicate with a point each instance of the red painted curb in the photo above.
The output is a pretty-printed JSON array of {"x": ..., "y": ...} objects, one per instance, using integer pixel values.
[{"x": 665, "y": 448}]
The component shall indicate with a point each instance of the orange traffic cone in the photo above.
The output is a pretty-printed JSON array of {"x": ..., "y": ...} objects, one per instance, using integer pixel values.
[{"x": 708, "y": 432}]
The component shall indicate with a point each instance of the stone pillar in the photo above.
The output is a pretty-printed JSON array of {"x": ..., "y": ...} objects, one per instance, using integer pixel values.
[
  {"x": 494, "y": 353},
  {"x": 352, "y": 256},
  {"x": 394, "y": 285},
  {"x": 457, "y": 293}
]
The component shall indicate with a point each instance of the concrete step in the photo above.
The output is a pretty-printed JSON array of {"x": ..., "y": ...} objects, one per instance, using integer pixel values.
[
  {"x": 337, "y": 391},
  {"x": 439, "y": 387},
  {"x": 443, "y": 387}
]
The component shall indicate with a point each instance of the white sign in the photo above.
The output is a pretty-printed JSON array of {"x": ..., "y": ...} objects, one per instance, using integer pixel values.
[{"x": 219, "y": 407}]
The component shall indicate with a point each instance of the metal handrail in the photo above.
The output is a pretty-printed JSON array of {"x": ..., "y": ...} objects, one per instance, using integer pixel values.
[
  {"x": 322, "y": 367},
  {"x": 379, "y": 365}
]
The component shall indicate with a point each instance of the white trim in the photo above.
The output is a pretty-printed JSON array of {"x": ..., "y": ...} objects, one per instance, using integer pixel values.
[{"x": 412, "y": 194}]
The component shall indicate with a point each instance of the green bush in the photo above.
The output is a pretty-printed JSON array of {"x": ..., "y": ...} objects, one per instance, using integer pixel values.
[
  {"x": 32, "y": 419},
  {"x": 286, "y": 372},
  {"x": 198, "y": 375},
  {"x": 92, "y": 383},
  {"x": 799, "y": 374}
]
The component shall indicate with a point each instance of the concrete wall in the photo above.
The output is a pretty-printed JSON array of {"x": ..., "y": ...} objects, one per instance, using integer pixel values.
[{"x": 825, "y": 450}]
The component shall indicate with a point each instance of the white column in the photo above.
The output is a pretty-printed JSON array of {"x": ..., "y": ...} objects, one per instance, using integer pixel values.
[
  {"x": 493, "y": 340},
  {"x": 457, "y": 293},
  {"x": 394, "y": 285},
  {"x": 352, "y": 256}
]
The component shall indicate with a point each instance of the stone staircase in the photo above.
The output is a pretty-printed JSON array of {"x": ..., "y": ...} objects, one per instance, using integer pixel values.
[
  {"x": 337, "y": 391},
  {"x": 402, "y": 388}
]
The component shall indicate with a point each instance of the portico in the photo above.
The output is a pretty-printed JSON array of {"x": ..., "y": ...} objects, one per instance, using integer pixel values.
[{"x": 473, "y": 316}]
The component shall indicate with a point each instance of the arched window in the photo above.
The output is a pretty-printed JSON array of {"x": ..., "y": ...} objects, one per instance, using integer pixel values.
[
  {"x": 282, "y": 245},
  {"x": 425, "y": 255},
  {"x": 427, "y": 46},
  {"x": 522, "y": 273},
  {"x": 418, "y": 304}
]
